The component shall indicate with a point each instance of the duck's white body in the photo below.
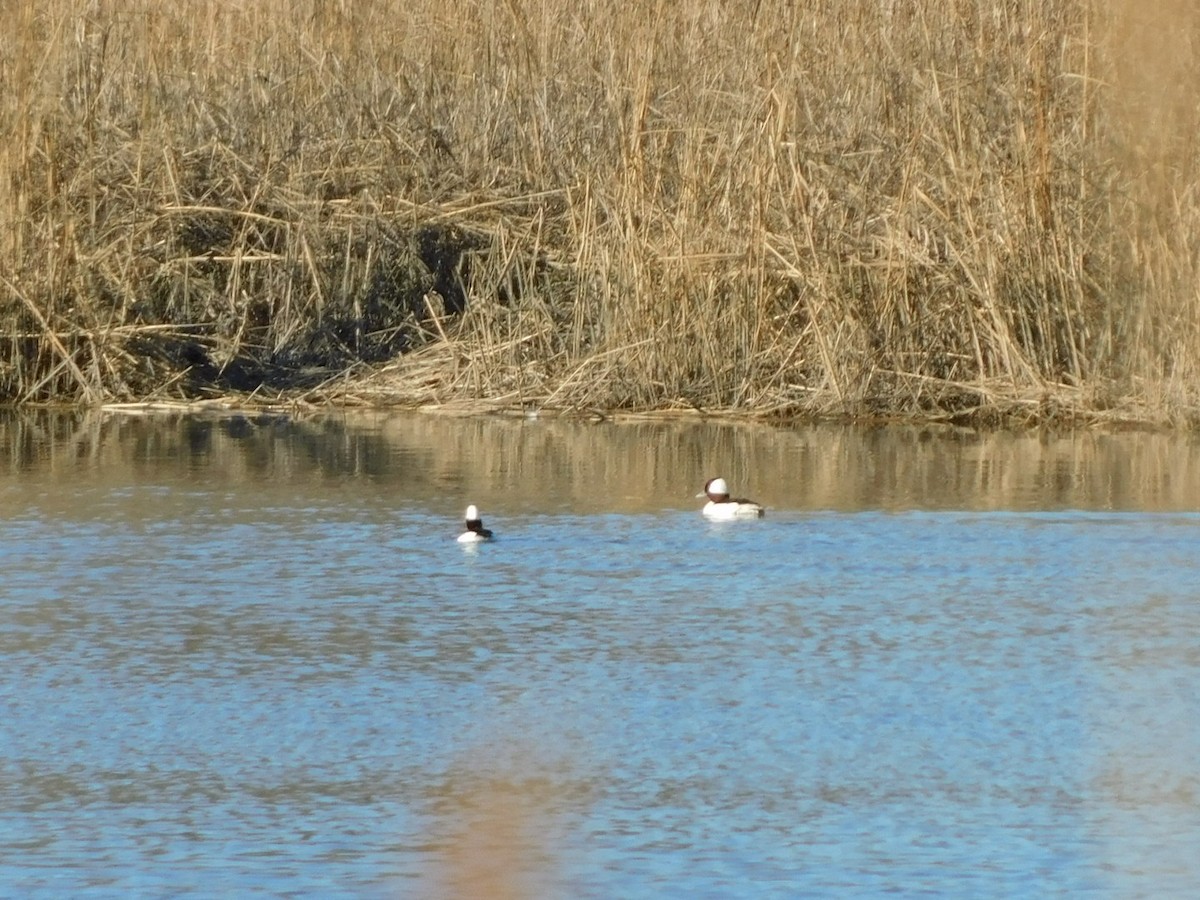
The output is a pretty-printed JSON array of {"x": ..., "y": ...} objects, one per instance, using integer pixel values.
[
  {"x": 733, "y": 509},
  {"x": 721, "y": 506},
  {"x": 474, "y": 537},
  {"x": 475, "y": 533}
]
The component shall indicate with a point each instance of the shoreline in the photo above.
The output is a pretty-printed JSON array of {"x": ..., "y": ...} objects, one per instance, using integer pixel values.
[{"x": 1032, "y": 415}]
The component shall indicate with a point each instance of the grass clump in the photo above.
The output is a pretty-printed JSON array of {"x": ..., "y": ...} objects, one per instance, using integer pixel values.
[{"x": 943, "y": 208}]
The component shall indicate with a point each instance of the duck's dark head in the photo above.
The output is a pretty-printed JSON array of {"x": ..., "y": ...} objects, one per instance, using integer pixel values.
[
  {"x": 475, "y": 524},
  {"x": 716, "y": 490}
]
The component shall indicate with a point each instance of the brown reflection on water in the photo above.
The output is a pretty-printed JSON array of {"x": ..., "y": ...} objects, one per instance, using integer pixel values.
[
  {"x": 553, "y": 465},
  {"x": 499, "y": 838}
]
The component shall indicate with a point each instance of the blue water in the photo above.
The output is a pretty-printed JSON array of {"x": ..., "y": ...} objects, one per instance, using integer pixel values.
[{"x": 303, "y": 686}]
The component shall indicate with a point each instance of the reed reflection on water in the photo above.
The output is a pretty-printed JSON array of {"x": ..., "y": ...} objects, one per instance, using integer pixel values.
[
  {"x": 632, "y": 467},
  {"x": 246, "y": 655}
]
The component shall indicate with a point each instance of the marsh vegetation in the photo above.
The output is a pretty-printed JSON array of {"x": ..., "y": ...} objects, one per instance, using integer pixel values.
[{"x": 946, "y": 209}]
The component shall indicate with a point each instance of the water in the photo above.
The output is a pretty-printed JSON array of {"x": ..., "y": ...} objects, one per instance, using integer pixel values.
[{"x": 246, "y": 657}]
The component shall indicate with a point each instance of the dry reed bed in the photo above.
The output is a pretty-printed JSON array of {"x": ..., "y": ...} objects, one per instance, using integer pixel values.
[{"x": 942, "y": 208}]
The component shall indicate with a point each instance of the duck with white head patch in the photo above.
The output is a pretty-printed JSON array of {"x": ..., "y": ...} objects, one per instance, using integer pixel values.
[
  {"x": 721, "y": 506},
  {"x": 475, "y": 531}
]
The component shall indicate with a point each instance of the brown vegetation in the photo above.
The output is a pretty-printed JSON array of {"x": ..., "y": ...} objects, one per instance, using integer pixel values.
[{"x": 942, "y": 208}]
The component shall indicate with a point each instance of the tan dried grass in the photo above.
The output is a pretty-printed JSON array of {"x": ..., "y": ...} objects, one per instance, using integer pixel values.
[{"x": 942, "y": 209}]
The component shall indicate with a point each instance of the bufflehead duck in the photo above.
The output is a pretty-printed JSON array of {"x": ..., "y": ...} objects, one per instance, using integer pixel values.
[
  {"x": 475, "y": 531},
  {"x": 720, "y": 506}
]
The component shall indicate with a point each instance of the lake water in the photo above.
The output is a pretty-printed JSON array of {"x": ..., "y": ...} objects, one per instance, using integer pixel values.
[{"x": 244, "y": 656}]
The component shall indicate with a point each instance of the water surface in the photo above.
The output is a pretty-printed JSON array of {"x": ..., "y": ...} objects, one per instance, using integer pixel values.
[{"x": 244, "y": 656}]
